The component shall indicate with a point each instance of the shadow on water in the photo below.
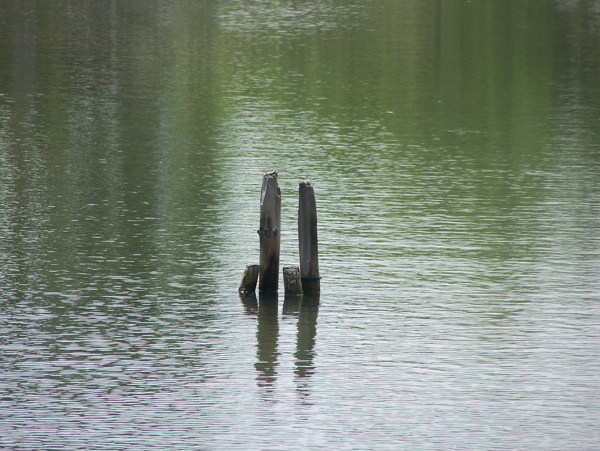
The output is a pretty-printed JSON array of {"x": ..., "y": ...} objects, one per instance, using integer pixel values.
[{"x": 265, "y": 307}]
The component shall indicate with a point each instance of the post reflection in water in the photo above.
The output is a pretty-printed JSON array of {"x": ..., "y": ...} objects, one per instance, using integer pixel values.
[
  {"x": 250, "y": 303},
  {"x": 291, "y": 304},
  {"x": 307, "y": 332},
  {"x": 267, "y": 338},
  {"x": 267, "y": 335}
]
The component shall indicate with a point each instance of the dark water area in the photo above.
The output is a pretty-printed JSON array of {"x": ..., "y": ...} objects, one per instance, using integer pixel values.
[{"x": 454, "y": 148}]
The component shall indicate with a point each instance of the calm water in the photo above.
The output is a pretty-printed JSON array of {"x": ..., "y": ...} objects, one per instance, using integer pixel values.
[{"x": 454, "y": 147}]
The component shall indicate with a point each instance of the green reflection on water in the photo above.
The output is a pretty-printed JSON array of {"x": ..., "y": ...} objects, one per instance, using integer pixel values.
[
  {"x": 133, "y": 134},
  {"x": 453, "y": 146}
]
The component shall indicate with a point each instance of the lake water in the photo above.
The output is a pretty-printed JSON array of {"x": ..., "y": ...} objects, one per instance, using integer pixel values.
[{"x": 454, "y": 147}]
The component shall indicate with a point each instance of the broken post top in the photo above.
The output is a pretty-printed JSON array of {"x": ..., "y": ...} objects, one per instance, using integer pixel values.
[
  {"x": 270, "y": 189},
  {"x": 270, "y": 203}
]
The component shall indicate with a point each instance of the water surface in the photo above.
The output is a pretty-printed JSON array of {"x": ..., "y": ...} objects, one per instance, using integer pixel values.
[{"x": 454, "y": 149}]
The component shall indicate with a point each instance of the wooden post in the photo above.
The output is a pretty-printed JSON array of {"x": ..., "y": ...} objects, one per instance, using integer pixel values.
[
  {"x": 292, "y": 281},
  {"x": 307, "y": 237},
  {"x": 249, "y": 279},
  {"x": 270, "y": 233}
]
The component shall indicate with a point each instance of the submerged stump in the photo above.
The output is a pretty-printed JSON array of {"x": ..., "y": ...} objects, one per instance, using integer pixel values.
[
  {"x": 249, "y": 279},
  {"x": 292, "y": 281}
]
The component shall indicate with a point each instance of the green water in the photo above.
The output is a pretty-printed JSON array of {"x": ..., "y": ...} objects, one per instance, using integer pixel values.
[{"x": 454, "y": 148}]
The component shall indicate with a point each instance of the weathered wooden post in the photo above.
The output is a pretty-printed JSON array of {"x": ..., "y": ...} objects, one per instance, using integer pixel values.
[
  {"x": 269, "y": 232},
  {"x": 292, "y": 281},
  {"x": 307, "y": 237},
  {"x": 249, "y": 279}
]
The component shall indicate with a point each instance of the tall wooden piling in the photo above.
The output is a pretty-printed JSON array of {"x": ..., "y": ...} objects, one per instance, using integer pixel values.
[
  {"x": 270, "y": 233},
  {"x": 307, "y": 237}
]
